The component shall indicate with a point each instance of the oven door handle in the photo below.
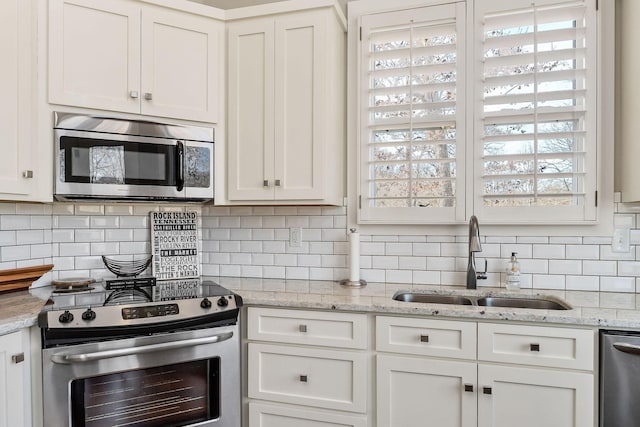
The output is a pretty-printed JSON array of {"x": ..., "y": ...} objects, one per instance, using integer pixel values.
[
  {"x": 66, "y": 359},
  {"x": 627, "y": 348}
]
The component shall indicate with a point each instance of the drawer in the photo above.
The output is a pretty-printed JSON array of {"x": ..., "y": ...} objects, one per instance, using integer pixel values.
[
  {"x": 270, "y": 415},
  {"x": 537, "y": 345},
  {"x": 322, "y": 378},
  {"x": 426, "y": 337},
  {"x": 327, "y": 329}
]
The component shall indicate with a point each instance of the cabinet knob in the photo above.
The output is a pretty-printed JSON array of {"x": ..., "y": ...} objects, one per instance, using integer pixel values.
[
  {"x": 148, "y": 96},
  {"x": 27, "y": 174},
  {"x": 17, "y": 358},
  {"x": 303, "y": 328},
  {"x": 424, "y": 338},
  {"x": 134, "y": 94},
  {"x": 487, "y": 390},
  {"x": 534, "y": 347},
  {"x": 468, "y": 388},
  {"x": 303, "y": 378},
  {"x": 265, "y": 183},
  {"x": 277, "y": 183}
]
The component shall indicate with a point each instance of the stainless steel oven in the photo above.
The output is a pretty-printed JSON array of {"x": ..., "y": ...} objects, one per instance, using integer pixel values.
[
  {"x": 143, "y": 363},
  {"x": 116, "y": 159}
]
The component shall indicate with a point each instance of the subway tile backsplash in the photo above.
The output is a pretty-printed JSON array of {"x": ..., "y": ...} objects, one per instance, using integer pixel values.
[{"x": 254, "y": 242}]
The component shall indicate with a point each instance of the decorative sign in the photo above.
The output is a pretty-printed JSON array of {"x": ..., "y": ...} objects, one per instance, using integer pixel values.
[
  {"x": 178, "y": 289},
  {"x": 174, "y": 237}
]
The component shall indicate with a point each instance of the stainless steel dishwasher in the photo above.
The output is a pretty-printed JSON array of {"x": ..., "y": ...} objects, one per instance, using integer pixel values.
[{"x": 619, "y": 378}]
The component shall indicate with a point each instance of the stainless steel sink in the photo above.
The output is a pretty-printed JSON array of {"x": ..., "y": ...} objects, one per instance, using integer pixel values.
[
  {"x": 537, "y": 303},
  {"x": 432, "y": 298}
]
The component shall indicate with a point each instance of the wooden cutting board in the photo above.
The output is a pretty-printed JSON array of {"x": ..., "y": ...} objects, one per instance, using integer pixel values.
[{"x": 21, "y": 278}]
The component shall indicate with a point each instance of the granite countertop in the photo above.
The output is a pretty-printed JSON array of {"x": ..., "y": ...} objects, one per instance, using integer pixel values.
[{"x": 593, "y": 309}]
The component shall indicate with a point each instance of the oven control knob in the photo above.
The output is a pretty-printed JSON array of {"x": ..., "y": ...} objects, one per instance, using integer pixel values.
[
  {"x": 205, "y": 303},
  {"x": 66, "y": 317},
  {"x": 89, "y": 315},
  {"x": 222, "y": 302}
]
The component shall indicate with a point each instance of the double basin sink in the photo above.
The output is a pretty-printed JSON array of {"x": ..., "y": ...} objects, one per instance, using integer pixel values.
[{"x": 539, "y": 303}]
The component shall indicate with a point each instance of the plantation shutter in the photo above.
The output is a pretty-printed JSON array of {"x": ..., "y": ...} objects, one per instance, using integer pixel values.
[
  {"x": 535, "y": 150},
  {"x": 412, "y": 134}
]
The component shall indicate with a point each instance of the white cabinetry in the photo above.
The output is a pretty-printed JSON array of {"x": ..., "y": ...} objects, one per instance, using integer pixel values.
[
  {"x": 556, "y": 389},
  {"x": 286, "y": 115},
  {"x": 21, "y": 173},
  {"x": 293, "y": 382},
  {"x": 131, "y": 57},
  {"x": 14, "y": 379}
]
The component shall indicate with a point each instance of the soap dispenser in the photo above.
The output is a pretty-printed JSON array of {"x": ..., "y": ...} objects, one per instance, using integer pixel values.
[{"x": 513, "y": 272}]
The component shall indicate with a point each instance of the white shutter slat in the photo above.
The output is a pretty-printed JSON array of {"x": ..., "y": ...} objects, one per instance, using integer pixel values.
[
  {"x": 527, "y": 78},
  {"x": 578, "y": 55},
  {"x": 555, "y": 95},
  {"x": 528, "y": 39}
]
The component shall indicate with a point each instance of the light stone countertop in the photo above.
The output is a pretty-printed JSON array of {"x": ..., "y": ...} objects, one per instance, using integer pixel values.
[{"x": 594, "y": 309}]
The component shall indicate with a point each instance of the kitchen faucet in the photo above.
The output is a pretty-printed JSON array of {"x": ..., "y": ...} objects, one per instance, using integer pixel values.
[{"x": 474, "y": 246}]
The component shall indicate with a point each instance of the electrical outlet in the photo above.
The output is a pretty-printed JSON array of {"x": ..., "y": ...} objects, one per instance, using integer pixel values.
[
  {"x": 295, "y": 237},
  {"x": 620, "y": 241}
]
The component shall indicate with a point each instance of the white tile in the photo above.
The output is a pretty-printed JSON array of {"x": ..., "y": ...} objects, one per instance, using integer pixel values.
[
  {"x": 262, "y": 234},
  {"x": 239, "y": 258},
  {"x": 285, "y": 259},
  {"x": 583, "y": 252},
  {"x": 441, "y": 239},
  {"x": 593, "y": 240},
  {"x": 285, "y": 210},
  {"x": 107, "y": 248},
  {"x": 272, "y": 272},
  {"x": 262, "y": 259},
  {"x": 75, "y": 249},
  {"x": 230, "y": 246},
  {"x": 501, "y": 239},
  {"x": 131, "y": 248},
  {"x": 7, "y": 238},
  {"x": 441, "y": 263},
  {"x": 93, "y": 209},
  {"x": 582, "y": 283},
  {"x": 302, "y": 249},
  {"x": 81, "y": 221},
  {"x": 454, "y": 249},
  {"x": 89, "y": 262},
  {"x": 566, "y": 267},
  {"x": 297, "y": 221},
  {"x": 41, "y": 251},
  {"x": 458, "y": 278},
  {"x": 41, "y": 222},
  {"x": 296, "y": 273},
  {"x": 105, "y": 222},
  {"x": 541, "y": 281},
  {"x": 219, "y": 258},
  {"x": 334, "y": 235},
  {"x": 118, "y": 209},
  {"x": 565, "y": 240},
  {"x": 385, "y": 262},
  {"x": 273, "y": 221},
  {"x": 541, "y": 240},
  {"x": 263, "y": 210},
  {"x": 14, "y": 222},
  {"x": 628, "y": 268},
  {"x": 281, "y": 234},
  {"x": 219, "y": 234},
  {"x": 340, "y": 222},
  {"x": 118, "y": 235},
  {"x": 523, "y": 250},
  {"x": 617, "y": 284},
  {"x": 365, "y": 261},
  {"x": 384, "y": 238},
  {"x": 310, "y": 261},
  {"x": 320, "y": 273},
  {"x": 249, "y": 246},
  {"x": 540, "y": 266},
  {"x": 321, "y": 247},
  {"x": 373, "y": 275},
  {"x": 230, "y": 270},
  {"x": 398, "y": 248},
  {"x": 372, "y": 248},
  {"x": 251, "y": 271},
  {"x": 141, "y": 235},
  {"x": 89, "y": 236},
  {"x": 426, "y": 249},
  {"x": 63, "y": 263},
  {"x": 599, "y": 268},
  {"x": 146, "y": 209},
  {"x": 211, "y": 222},
  {"x": 251, "y": 222},
  {"x": 549, "y": 251},
  {"x": 340, "y": 248},
  {"x": 334, "y": 261},
  {"x": 412, "y": 263},
  {"x": 210, "y": 270},
  {"x": 412, "y": 239},
  {"x": 29, "y": 237},
  {"x": 63, "y": 209},
  {"x": 399, "y": 276},
  {"x": 334, "y": 210},
  {"x": 274, "y": 247},
  {"x": 607, "y": 254},
  {"x": 321, "y": 222},
  {"x": 134, "y": 222},
  {"x": 309, "y": 210},
  {"x": 241, "y": 211},
  {"x": 240, "y": 234}
]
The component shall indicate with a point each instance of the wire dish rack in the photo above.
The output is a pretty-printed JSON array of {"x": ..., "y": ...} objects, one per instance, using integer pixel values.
[{"x": 127, "y": 268}]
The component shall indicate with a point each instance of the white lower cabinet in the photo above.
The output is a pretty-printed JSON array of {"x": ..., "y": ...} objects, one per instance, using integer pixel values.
[
  {"x": 556, "y": 389},
  {"x": 307, "y": 368},
  {"x": 14, "y": 380}
]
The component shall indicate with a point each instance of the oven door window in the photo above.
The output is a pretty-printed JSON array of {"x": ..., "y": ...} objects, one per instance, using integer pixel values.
[
  {"x": 96, "y": 161},
  {"x": 167, "y": 396}
]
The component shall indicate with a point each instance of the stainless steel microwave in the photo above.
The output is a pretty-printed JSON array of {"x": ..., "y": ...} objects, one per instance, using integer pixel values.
[{"x": 115, "y": 159}]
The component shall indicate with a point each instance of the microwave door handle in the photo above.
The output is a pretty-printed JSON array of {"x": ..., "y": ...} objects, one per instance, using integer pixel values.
[{"x": 180, "y": 165}]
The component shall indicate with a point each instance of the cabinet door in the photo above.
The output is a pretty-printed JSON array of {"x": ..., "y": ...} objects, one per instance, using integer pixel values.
[
  {"x": 94, "y": 54},
  {"x": 16, "y": 88},
  {"x": 251, "y": 110},
  {"x": 180, "y": 65},
  {"x": 415, "y": 392},
  {"x": 270, "y": 415},
  {"x": 300, "y": 122},
  {"x": 529, "y": 397},
  {"x": 12, "y": 379}
]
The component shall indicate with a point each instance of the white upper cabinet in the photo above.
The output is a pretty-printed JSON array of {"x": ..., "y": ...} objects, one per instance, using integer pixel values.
[
  {"x": 20, "y": 166},
  {"x": 131, "y": 57},
  {"x": 286, "y": 108}
]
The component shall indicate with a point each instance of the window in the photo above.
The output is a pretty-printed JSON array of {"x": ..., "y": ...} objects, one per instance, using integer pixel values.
[{"x": 499, "y": 121}]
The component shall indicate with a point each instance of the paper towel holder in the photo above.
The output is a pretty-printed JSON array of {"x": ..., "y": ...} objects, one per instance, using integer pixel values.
[{"x": 354, "y": 280}]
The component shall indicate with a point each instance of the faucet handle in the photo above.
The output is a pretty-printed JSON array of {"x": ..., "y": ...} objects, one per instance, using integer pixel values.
[{"x": 482, "y": 275}]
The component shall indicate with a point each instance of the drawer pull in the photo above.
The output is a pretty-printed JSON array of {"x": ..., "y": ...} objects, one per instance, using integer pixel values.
[
  {"x": 468, "y": 388},
  {"x": 424, "y": 338},
  {"x": 486, "y": 390},
  {"x": 534, "y": 347},
  {"x": 303, "y": 328},
  {"x": 17, "y": 358},
  {"x": 303, "y": 379}
]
